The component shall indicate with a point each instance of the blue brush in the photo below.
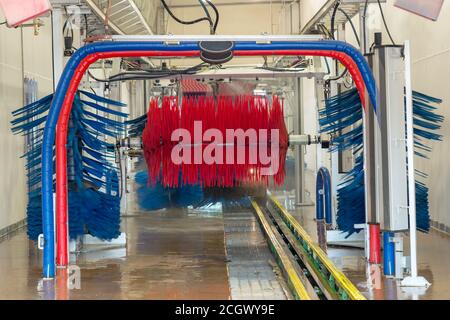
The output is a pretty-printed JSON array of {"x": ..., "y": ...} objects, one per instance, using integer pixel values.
[
  {"x": 339, "y": 113},
  {"x": 136, "y": 126},
  {"x": 156, "y": 197},
  {"x": 95, "y": 210},
  {"x": 151, "y": 197},
  {"x": 343, "y": 111},
  {"x": 426, "y": 124}
]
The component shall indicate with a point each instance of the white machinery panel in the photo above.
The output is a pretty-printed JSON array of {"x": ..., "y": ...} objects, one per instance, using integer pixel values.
[{"x": 390, "y": 140}]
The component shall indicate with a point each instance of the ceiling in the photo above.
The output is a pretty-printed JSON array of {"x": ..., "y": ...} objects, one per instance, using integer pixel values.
[{"x": 137, "y": 17}]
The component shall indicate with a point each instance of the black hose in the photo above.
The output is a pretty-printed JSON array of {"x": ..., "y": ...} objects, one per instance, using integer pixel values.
[
  {"x": 179, "y": 20},
  {"x": 211, "y": 23},
  {"x": 364, "y": 27},
  {"x": 216, "y": 23},
  {"x": 68, "y": 23},
  {"x": 86, "y": 25},
  {"x": 385, "y": 24},
  {"x": 325, "y": 31},
  {"x": 147, "y": 74},
  {"x": 338, "y": 77},
  {"x": 351, "y": 23},
  {"x": 333, "y": 16}
]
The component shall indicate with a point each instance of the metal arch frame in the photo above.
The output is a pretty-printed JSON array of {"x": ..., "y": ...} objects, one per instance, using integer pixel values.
[{"x": 61, "y": 106}]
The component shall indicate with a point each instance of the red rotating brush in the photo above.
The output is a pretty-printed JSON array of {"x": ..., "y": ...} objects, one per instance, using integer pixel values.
[{"x": 220, "y": 141}]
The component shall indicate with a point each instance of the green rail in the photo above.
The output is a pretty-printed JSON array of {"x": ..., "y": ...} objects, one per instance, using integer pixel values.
[{"x": 329, "y": 274}]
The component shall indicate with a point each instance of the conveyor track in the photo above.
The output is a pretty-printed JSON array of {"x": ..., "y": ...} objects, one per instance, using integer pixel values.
[{"x": 310, "y": 274}]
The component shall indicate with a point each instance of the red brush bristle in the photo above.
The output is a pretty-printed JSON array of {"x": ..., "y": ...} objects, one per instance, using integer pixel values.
[{"x": 219, "y": 114}]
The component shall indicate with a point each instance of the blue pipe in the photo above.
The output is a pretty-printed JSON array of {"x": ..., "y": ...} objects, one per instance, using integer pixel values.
[
  {"x": 323, "y": 195},
  {"x": 319, "y": 203},
  {"x": 388, "y": 254},
  {"x": 79, "y": 55}
]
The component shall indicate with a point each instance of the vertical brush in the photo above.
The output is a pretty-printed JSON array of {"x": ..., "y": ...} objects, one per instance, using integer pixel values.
[
  {"x": 89, "y": 159},
  {"x": 426, "y": 125},
  {"x": 344, "y": 111}
]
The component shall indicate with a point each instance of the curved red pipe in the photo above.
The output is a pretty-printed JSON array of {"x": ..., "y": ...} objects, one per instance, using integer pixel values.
[
  {"x": 63, "y": 122},
  {"x": 62, "y": 242}
]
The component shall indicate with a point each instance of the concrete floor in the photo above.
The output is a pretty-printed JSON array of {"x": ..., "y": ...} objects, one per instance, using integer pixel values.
[
  {"x": 433, "y": 258},
  {"x": 433, "y": 264},
  {"x": 169, "y": 255},
  {"x": 181, "y": 254},
  {"x": 252, "y": 270}
]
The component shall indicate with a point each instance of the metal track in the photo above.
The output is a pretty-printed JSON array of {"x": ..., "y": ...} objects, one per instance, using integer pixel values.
[
  {"x": 310, "y": 274},
  {"x": 285, "y": 262}
]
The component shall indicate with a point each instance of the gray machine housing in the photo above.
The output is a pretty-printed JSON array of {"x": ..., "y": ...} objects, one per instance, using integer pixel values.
[{"x": 390, "y": 157}]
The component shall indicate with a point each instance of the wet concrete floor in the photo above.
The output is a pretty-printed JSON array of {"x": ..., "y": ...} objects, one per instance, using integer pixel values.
[
  {"x": 169, "y": 255},
  {"x": 179, "y": 254},
  {"x": 433, "y": 258}
]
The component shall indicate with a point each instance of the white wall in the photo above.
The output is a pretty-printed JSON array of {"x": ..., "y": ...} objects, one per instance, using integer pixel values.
[
  {"x": 242, "y": 19},
  {"x": 234, "y": 19},
  {"x": 36, "y": 63},
  {"x": 431, "y": 67}
]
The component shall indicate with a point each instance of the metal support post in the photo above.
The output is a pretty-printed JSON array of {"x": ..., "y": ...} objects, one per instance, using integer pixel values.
[
  {"x": 298, "y": 149},
  {"x": 413, "y": 280},
  {"x": 58, "y": 44}
]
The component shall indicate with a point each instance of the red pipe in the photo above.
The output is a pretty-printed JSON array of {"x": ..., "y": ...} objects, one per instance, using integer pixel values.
[
  {"x": 62, "y": 252},
  {"x": 62, "y": 234},
  {"x": 375, "y": 247},
  {"x": 62, "y": 128}
]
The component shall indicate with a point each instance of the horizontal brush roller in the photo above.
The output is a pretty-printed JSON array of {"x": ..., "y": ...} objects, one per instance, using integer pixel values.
[{"x": 249, "y": 128}]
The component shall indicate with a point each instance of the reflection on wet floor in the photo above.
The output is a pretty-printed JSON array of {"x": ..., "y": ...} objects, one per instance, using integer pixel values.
[
  {"x": 169, "y": 255},
  {"x": 252, "y": 270},
  {"x": 195, "y": 254},
  {"x": 433, "y": 264},
  {"x": 433, "y": 259}
]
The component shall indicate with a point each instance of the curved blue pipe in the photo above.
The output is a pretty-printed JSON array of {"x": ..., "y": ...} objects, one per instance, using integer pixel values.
[
  {"x": 323, "y": 195},
  {"x": 79, "y": 55}
]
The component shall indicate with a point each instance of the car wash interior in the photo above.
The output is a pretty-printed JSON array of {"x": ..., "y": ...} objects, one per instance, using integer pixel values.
[{"x": 224, "y": 150}]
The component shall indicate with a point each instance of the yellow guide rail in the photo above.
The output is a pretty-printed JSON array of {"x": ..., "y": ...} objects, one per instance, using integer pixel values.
[
  {"x": 336, "y": 278},
  {"x": 293, "y": 279}
]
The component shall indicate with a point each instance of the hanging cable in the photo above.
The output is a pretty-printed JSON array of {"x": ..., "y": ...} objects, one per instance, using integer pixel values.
[
  {"x": 325, "y": 31},
  {"x": 86, "y": 24},
  {"x": 352, "y": 25},
  {"x": 331, "y": 35},
  {"x": 385, "y": 24},
  {"x": 68, "y": 23},
  {"x": 333, "y": 16},
  {"x": 148, "y": 74},
  {"x": 364, "y": 27},
  {"x": 338, "y": 77},
  {"x": 216, "y": 23},
  {"x": 179, "y": 20},
  {"x": 211, "y": 23},
  {"x": 327, "y": 65}
]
